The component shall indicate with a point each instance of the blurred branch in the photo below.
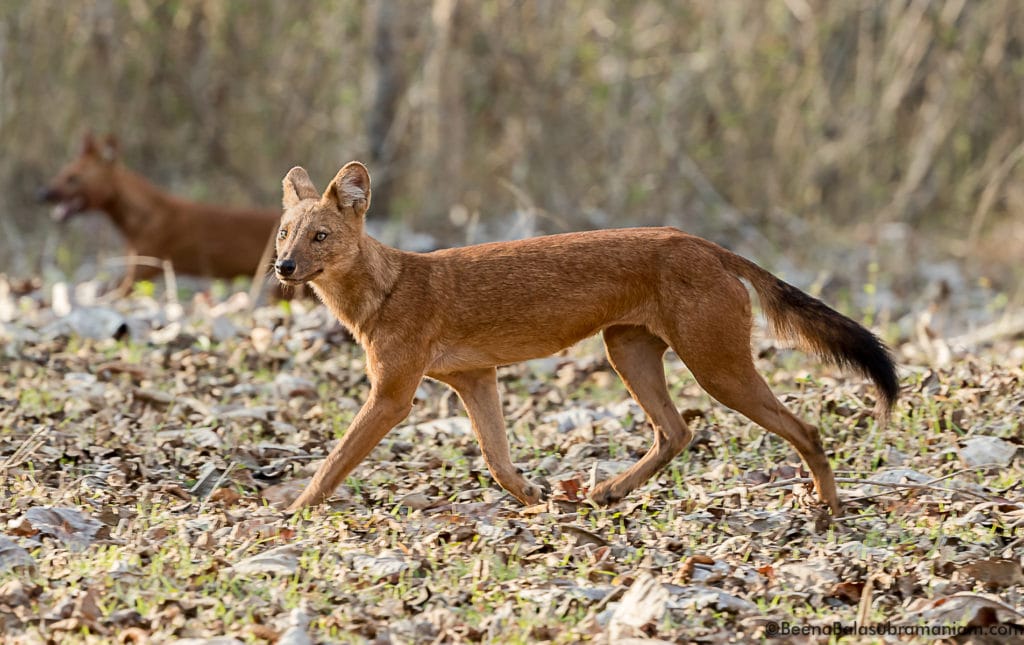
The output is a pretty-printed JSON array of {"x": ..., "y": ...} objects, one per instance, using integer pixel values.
[{"x": 989, "y": 194}]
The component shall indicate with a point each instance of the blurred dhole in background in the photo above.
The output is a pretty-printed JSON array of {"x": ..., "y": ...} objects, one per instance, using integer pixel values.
[{"x": 847, "y": 143}]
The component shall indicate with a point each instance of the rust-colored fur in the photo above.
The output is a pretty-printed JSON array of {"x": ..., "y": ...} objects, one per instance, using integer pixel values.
[
  {"x": 198, "y": 239},
  {"x": 455, "y": 314}
]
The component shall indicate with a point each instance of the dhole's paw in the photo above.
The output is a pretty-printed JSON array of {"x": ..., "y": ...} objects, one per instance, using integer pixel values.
[
  {"x": 530, "y": 494},
  {"x": 604, "y": 494}
]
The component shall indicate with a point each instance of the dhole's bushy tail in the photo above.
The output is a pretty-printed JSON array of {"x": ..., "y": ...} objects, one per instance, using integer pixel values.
[{"x": 796, "y": 316}]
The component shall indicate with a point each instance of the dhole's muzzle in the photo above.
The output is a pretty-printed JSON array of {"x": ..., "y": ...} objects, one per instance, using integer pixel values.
[{"x": 65, "y": 206}]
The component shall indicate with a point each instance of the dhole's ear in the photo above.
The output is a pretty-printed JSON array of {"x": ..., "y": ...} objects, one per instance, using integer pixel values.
[
  {"x": 297, "y": 187},
  {"x": 110, "y": 149},
  {"x": 350, "y": 188},
  {"x": 89, "y": 146}
]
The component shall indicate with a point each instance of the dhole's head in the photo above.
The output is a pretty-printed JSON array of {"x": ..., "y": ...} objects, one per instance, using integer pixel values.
[
  {"x": 320, "y": 234},
  {"x": 87, "y": 182}
]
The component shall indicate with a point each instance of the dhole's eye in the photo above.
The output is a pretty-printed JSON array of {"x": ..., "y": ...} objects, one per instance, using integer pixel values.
[
  {"x": 283, "y": 233},
  {"x": 320, "y": 236}
]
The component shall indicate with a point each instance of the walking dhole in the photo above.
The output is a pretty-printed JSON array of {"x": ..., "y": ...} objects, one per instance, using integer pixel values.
[{"x": 456, "y": 314}]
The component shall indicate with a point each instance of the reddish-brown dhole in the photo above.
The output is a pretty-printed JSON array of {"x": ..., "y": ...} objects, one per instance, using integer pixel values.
[
  {"x": 198, "y": 239},
  {"x": 456, "y": 314}
]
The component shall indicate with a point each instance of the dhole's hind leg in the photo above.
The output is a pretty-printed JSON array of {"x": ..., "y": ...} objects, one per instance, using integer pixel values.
[
  {"x": 747, "y": 393},
  {"x": 636, "y": 354},
  {"x": 478, "y": 390},
  {"x": 720, "y": 359}
]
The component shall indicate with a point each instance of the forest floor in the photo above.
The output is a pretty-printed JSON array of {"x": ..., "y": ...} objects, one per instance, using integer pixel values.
[{"x": 142, "y": 480}]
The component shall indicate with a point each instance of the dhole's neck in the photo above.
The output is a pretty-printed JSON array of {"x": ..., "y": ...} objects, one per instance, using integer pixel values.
[{"x": 356, "y": 296}]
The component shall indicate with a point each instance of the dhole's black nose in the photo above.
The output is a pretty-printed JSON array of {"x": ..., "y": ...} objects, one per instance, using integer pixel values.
[
  {"x": 45, "y": 194},
  {"x": 285, "y": 267}
]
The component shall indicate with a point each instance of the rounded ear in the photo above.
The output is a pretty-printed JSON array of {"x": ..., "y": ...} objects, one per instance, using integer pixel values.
[
  {"x": 350, "y": 188},
  {"x": 297, "y": 186},
  {"x": 89, "y": 146},
  {"x": 110, "y": 149}
]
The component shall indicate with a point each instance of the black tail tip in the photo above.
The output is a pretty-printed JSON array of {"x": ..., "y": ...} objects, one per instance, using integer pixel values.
[{"x": 883, "y": 372}]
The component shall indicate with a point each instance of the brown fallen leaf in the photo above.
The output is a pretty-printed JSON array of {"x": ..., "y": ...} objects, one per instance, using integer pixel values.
[
  {"x": 282, "y": 560},
  {"x": 535, "y": 509},
  {"x": 75, "y": 624},
  {"x": 967, "y": 608},
  {"x": 287, "y": 386},
  {"x": 264, "y": 632},
  {"x": 849, "y": 592},
  {"x": 85, "y": 614},
  {"x": 995, "y": 573},
  {"x": 21, "y": 526},
  {"x": 133, "y": 636},
  {"x": 224, "y": 495},
  {"x": 685, "y": 573},
  {"x": 644, "y": 602},
  {"x": 283, "y": 494},
  {"x": 149, "y": 395},
  {"x": 584, "y": 537},
  {"x": 416, "y": 501},
  {"x": 87, "y": 606},
  {"x": 15, "y": 592},
  {"x": 256, "y": 527},
  {"x": 768, "y": 571},
  {"x": 569, "y": 489},
  {"x": 808, "y": 574},
  {"x": 136, "y": 371}
]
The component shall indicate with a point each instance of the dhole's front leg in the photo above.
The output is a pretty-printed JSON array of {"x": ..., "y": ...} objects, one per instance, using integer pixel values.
[
  {"x": 132, "y": 271},
  {"x": 390, "y": 401},
  {"x": 478, "y": 390},
  {"x": 124, "y": 287}
]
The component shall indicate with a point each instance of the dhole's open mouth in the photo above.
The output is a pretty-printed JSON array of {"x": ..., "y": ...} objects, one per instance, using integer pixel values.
[
  {"x": 68, "y": 207},
  {"x": 292, "y": 280}
]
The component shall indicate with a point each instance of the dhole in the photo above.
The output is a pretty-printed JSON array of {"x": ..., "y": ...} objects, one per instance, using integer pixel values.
[
  {"x": 198, "y": 239},
  {"x": 455, "y": 314}
]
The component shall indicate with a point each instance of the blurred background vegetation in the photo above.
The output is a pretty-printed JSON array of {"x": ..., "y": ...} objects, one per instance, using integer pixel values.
[{"x": 861, "y": 138}]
